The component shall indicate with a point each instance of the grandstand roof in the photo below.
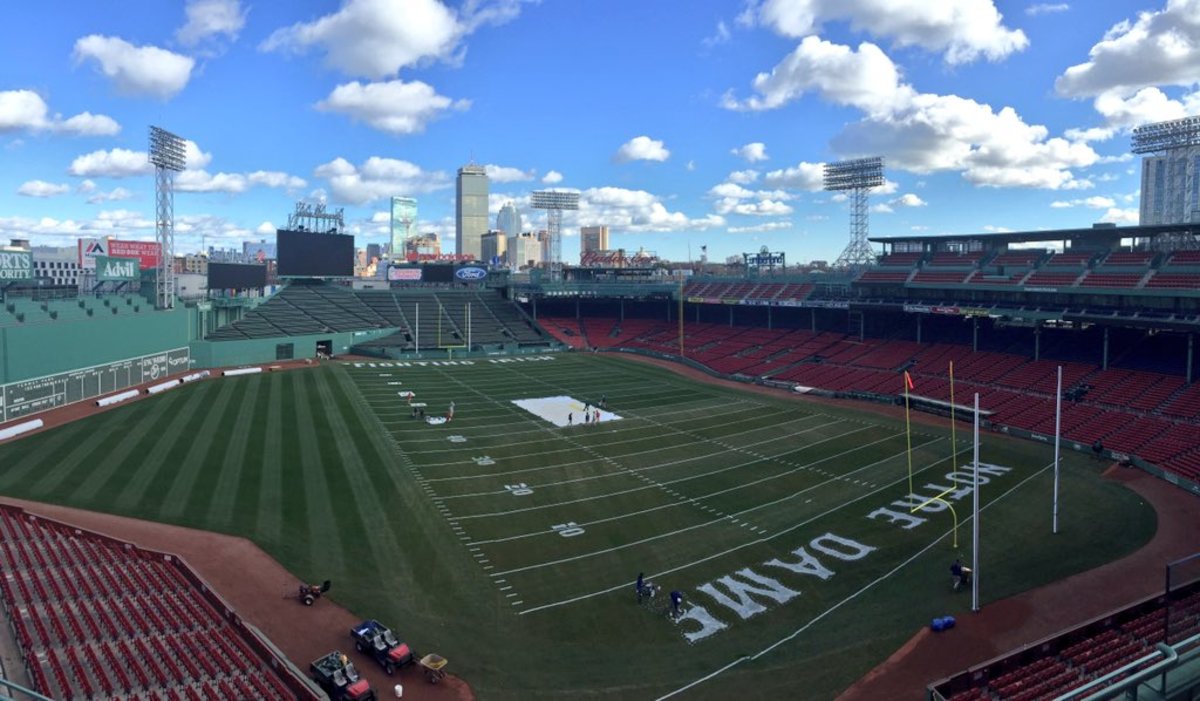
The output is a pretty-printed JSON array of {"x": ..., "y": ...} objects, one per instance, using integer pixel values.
[{"x": 1092, "y": 234}]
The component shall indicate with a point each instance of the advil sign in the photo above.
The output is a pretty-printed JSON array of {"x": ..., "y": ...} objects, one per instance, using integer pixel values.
[
  {"x": 16, "y": 265},
  {"x": 116, "y": 268}
]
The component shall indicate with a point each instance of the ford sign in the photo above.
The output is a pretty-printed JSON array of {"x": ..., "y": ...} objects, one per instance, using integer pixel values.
[{"x": 470, "y": 273}]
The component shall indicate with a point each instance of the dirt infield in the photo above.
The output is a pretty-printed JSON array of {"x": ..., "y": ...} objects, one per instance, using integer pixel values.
[
  {"x": 1006, "y": 625},
  {"x": 255, "y": 585}
]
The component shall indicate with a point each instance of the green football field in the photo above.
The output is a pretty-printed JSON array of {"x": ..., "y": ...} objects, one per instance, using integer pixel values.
[{"x": 511, "y": 545}]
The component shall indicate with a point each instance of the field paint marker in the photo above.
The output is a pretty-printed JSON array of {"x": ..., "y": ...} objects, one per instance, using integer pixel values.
[
  {"x": 705, "y": 507},
  {"x": 511, "y": 595},
  {"x": 518, "y": 602},
  {"x": 690, "y": 477},
  {"x": 848, "y": 599},
  {"x": 506, "y": 588},
  {"x": 635, "y": 471},
  {"x": 719, "y": 519},
  {"x": 735, "y": 548}
]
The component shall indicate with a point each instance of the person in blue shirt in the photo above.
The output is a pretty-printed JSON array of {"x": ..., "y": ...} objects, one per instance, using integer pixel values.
[{"x": 676, "y": 602}]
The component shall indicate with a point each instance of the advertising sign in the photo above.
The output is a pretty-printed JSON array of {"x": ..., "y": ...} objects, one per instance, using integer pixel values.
[
  {"x": 15, "y": 265},
  {"x": 109, "y": 268},
  {"x": 404, "y": 274},
  {"x": 468, "y": 274},
  {"x": 259, "y": 252},
  {"x": 145, "y": 251},
  {"x": 88, "y": 250}
]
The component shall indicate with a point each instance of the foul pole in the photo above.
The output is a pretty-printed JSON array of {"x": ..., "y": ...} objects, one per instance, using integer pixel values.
[
  {"x": 908, "y": 431},
  {"x": 975, "y": 521},
  {"x": 680, "y": 317},
  {"x": 1057, "y": 437},
  {"x": 953, "y": 435}
]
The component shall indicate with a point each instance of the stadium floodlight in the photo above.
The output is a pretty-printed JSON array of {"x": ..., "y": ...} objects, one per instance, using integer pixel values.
[
  {"x": 168, "y": 154},
  {"x": 554, "y": 202},
  {"x": 1164, "y": 136},
  {"x": 857, "y": 176}
]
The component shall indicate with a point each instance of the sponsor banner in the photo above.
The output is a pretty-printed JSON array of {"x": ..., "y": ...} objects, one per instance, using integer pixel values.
[
  {"x": 404, "y": 274},
  {"x": 918, "y": 308},
  {"x": 146, "y": 252},
  {"x": 824, "y": 304},
  {"x": 470, "y": 273},
  {"x": 728, "y": 300},
  {"x": 973, "y": 311},
  {"x": 109, "y": 268},
  {"x": 88, "y": 250},
  {"x": 15, "y": 265},
  {"x": 695, "y": 300}
]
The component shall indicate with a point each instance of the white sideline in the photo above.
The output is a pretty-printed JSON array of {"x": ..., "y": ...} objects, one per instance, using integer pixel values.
[{"x": 844, "y": 601}]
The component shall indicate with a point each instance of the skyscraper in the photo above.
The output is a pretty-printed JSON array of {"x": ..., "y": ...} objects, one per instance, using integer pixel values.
[
  {"x": 471, "y": 210},
  {"x": 404, "y": 218},
  {"x": 593, "y": 238},
  {"x": 493, "y": 245},
  {"x": 1171, "y": 187},
  {"x": 509, "y": 221}
]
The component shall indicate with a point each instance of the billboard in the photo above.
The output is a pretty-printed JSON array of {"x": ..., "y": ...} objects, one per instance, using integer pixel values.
[
  {"x": 15, "y": 265},
  {"x": 404, "y": 274},
  {"x": 439, "y": 273},
  {"x": 309, "y": 254},
  {"x": 109, "y": 268},
  {"x": 88, "y": 250},
  {"x": 261, "y": 251},
  {"x": 145, "y": 251},
  {"x": 470, "y": 273},
  {"x": 236, "y": 276}
]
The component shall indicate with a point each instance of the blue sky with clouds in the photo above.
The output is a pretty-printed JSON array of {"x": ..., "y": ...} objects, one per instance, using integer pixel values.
[{"x": 681, "y": 124}]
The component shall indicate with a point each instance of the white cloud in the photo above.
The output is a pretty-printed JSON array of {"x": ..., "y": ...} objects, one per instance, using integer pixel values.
[
  {"x": 882, "y": 208},
  {"x": 376, "y": 38},
  {"x": 759, "y": 208},
  {"x": 993, "y": 229},
  {"x": 41, "y": 188},
  {"x": 964, "y": 30},
  {"x": 765, "y": 226},
  {"x": 86, "y": 186},
  {"x": 1159, "y": 48},
  {"x": 200, "y": 180},
  {"x": 721, "y": 36},
  {"x": 208, "y": 19},
  {"x": 552, "y": 178},
  {"x": 743, "y": 177},
  {"x": 377, "y": 178},
  {"x": 1121, "y": 216},
  {"x": 635, "y": 211},
  {"x": 393, "y": 106},
  {"x": 919, "y": 132},
  {"x": 691, "y": 165},
  {"x": 117, "y": 194},
  {"x": 753, "y": 152},
  {"x": 114, "y": 163},
  {"x": 1045, "y": 8},
  {"x": 803, "y": 176},
  {"x": 505, "y": 174},
  {"x": 1094, "y": 202},
  {"x": 265, "y": 229},
  {"x": 909, "y": 200},
  {"x": 137, "y": 70},
  {"x": 25, "y": 110},
  {"x": 123, "y": 163},
  {"x": 641, "y": 148}
]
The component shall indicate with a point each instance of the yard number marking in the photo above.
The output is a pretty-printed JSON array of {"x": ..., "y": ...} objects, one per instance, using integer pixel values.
[
  {"x": 484, "y": 460},
  {"x": 519, "y": 490},
  {"x": 457, "y": 439},
  {"x": 570, "y": 529}
]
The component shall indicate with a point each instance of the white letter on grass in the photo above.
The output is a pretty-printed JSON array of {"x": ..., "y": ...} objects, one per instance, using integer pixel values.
[
  {"x": 857, "y": 550},
  {"x": 807, "y": 565},
  {"x": 745, "y": 606},
  {"x": 700, "y": 615}
]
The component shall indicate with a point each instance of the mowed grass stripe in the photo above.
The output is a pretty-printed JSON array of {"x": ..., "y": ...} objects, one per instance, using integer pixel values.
[
  {"x": 273, "y": 509},
  {"x": 160, "y": 464},
  {"x": 41, "y": 453},
  {"x": 75, "y": 465},
  {"x": 323, "y": 538},
  {"x": 206, "y": 443},
  {"x": 238, "y": 466}
]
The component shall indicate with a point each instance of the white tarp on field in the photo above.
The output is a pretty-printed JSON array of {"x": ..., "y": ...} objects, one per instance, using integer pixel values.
[{"x": 556, "y": 410}]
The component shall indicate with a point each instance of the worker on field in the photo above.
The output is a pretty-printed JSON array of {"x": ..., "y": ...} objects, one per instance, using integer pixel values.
[
  {"x": 676, "y": 603},
  {"x": 570, "y": 419},
  {"x": 641, "y": 586},
  {"x": 960, "y": 575}
]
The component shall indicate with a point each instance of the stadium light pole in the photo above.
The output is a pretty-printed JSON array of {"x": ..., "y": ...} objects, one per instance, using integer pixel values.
[
  {"x": 168, "y": 154},
  {"x": 857, "y": 177},
  {"x": 975, "y": 521},
  {"x": 554, "y": 202},
  {"x": 1057, "y": 439}
]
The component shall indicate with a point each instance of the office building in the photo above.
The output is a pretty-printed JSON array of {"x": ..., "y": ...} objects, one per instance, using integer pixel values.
[
  {"x": 526, "y": 251},
  {"x": 57, "y": 266},
  {"x": 593, "y": 238},
  {"x": 470, "y": 210},
  {"x": 493, "y": 246},
  {"x": 509, "y": 221},
  {"x": 420, "y": 247},
  {"x": 1171, "y": 187},
  {"x": 404, "y": 218}
]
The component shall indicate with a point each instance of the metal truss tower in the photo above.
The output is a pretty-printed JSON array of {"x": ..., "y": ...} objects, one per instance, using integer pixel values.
[
  {"x": 857, "y": 177},
  {"x": 554, "y": 203},
  {"x": 168, "y": 153},
  {"x": 315, "y": 218}
]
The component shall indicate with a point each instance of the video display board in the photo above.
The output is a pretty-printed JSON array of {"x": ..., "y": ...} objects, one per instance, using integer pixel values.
[
  {"x": 438, "y": 273},
  {"x": 236, "y": 276},
  {"x": 309, "y": 254}
]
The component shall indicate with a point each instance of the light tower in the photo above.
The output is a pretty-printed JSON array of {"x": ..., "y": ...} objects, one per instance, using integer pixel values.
[
  {"x": 1170, "y": 177},
  {"x": 857, "y": 176},
  {"x": 168, "y": 153},
  {"x": 554, "y": 203}
]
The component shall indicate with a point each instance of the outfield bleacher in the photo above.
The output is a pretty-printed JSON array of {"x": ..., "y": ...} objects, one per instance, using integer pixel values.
[{"x": 94, "y": 617}]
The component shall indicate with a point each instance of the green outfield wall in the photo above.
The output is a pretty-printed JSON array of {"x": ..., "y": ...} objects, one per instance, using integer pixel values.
[{"x": 212, "y": 354}]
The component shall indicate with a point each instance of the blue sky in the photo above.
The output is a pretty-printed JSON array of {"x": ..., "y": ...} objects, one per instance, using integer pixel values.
[{"x": 681, "y": 124}]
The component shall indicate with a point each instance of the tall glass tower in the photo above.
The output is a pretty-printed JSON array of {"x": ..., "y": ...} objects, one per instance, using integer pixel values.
[
  {"x": 404, "y": 218},
  {"x": 471, "y": 210},
  {"x": 509, "y": 221}
]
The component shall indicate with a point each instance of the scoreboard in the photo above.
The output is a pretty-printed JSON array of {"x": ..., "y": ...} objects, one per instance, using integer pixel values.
[{"x": 27, "y": 397}]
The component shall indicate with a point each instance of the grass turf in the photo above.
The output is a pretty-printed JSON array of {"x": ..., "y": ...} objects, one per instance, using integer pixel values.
[{"x": 326, "y": 470}]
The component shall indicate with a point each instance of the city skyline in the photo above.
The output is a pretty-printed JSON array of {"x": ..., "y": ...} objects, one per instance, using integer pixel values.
[{"x": 677, "y": 129}]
